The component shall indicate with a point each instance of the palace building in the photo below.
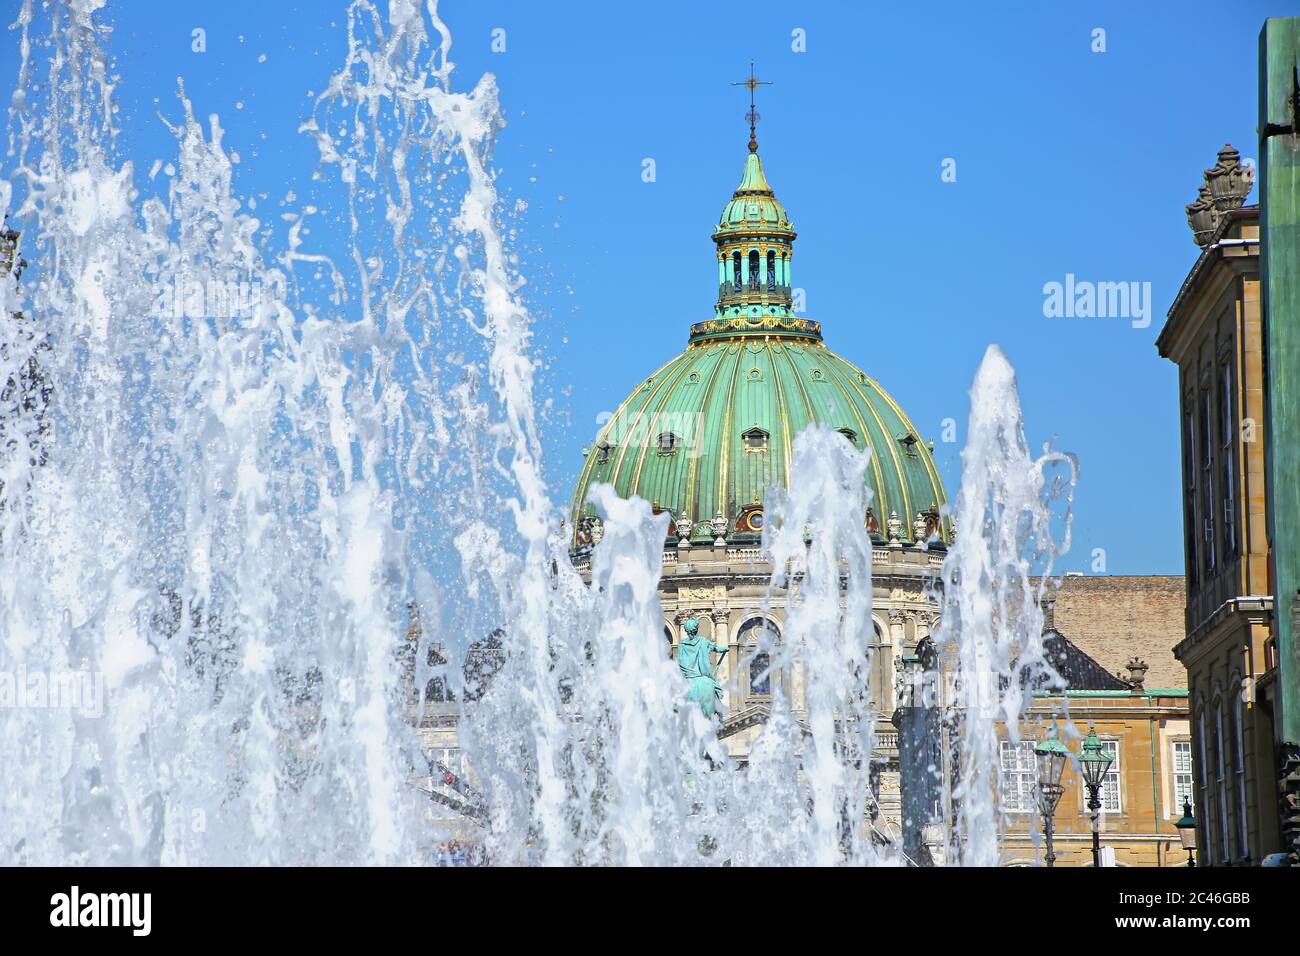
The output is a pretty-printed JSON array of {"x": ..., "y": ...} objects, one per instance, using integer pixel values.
[
  {"x": 1215, "y": 335},
  {"x": 1111, "y": 638}
]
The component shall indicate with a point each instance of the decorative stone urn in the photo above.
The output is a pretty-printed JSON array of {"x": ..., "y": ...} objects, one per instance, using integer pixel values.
[
  {"x": 1201, "y": 217},
  {"x": 684, "y": 526},
  {"x": 1229, "y": 180},
  {"x": 719, "y": 527}
]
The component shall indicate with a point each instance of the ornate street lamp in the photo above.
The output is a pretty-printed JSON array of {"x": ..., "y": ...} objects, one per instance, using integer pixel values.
[
  {"x": 1052, "y": 756},
  {"x": 1187, "y": 832},
  {"x": 1094, "y": 762}
]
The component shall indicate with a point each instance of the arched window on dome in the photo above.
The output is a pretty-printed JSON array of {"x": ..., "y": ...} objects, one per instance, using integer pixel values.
[
  {"x": 753, "y": 268},
  {"x": 735, "y": 270},
  {"x": 669, "y": 443},
  {"x": 850, "y": 434},
  {"x": 771, "y": 272},
  {"x": 602, "y": 452}
]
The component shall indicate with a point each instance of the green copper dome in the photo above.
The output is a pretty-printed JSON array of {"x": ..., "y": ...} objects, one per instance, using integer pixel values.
[{"x": 711, "y": 431}]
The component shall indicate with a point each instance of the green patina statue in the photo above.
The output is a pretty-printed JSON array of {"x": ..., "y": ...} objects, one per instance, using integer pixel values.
[{"x": 697, "y": 667}]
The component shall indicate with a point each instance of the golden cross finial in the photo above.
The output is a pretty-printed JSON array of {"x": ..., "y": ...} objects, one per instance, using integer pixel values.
[{"x": 753, "y": 83}]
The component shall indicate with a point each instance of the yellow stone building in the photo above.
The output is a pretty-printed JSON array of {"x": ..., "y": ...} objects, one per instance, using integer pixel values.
[
  {"x": 1111, "y": 638},
  {"x": 1215, "y": 335}
]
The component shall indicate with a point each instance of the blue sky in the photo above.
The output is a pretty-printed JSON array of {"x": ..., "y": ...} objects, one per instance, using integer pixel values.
[{"x": 1067, "y": 161}]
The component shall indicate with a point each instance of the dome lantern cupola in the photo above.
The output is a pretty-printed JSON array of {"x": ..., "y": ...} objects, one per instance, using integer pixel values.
[{"x": 754, "y": 240}]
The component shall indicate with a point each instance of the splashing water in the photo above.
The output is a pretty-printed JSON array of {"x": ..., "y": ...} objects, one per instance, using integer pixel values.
[
  {"x": 991, "y": 621},
  {"x": 821, "y": 558},
  {"x": 231, "y": 468}
]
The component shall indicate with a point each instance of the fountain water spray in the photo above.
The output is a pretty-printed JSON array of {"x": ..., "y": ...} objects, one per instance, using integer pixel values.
[
  {"x": 821, "y": 560},
  {"x": 219, "y": 508},
  {"x": 991, "y": 623}
]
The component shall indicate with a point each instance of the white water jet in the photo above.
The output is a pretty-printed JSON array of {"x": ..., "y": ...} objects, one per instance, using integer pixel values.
[
  {"x": 821, "y": 560},
  {"x": 991, "y": 622}
]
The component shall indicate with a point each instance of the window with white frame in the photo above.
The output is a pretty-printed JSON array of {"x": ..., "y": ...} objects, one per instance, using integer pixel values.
[
  {"x": 1183, "y": 787},
  {"x": 1110, "y": 790},
  {"x": 1018, "y": 776},
  {"x": 1110, "y": 787}
]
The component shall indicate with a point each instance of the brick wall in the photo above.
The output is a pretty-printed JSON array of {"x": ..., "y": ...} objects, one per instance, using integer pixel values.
[{"x": 1114, "y": 617}]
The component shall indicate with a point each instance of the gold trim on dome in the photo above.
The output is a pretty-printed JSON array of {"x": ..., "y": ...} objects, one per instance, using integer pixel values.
[
  {"x": 757, "y": 323},
  {"x": 661, "y": 395},
  {"x": 936, "y": 483},
  {"x": 724, "y": 464},
  {"x": 692, "y": 476},
  {"x": 875, "y": 464},
  {"x": 782, "y": 412},
  {"x": 584, "y": 477},
  {"x": 899, "y": 468}
]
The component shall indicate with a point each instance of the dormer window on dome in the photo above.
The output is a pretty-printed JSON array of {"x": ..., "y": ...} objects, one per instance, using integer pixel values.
[
  {"x": 669, "y": 443},
  {"x": 755, "y": 439},
  {"x": 603, "y": 448},
  {"x": 850, "y": 434}
]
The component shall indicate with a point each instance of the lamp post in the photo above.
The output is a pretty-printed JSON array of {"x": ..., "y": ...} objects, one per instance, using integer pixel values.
[
  {"x": 1187, "y": 832},
  {"x": 1093, "y": 763},
  {"x": 1051, "y": 755}
]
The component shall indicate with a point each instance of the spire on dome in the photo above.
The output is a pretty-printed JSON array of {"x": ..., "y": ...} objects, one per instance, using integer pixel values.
[{"x": 752, "y": 83}]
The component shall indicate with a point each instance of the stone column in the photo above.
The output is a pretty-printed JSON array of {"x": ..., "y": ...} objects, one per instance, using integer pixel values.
[
  {"x": 896, "y": 627},
  {"x": 894, "y": 639},
  {"x": 720, "y": 618}
]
